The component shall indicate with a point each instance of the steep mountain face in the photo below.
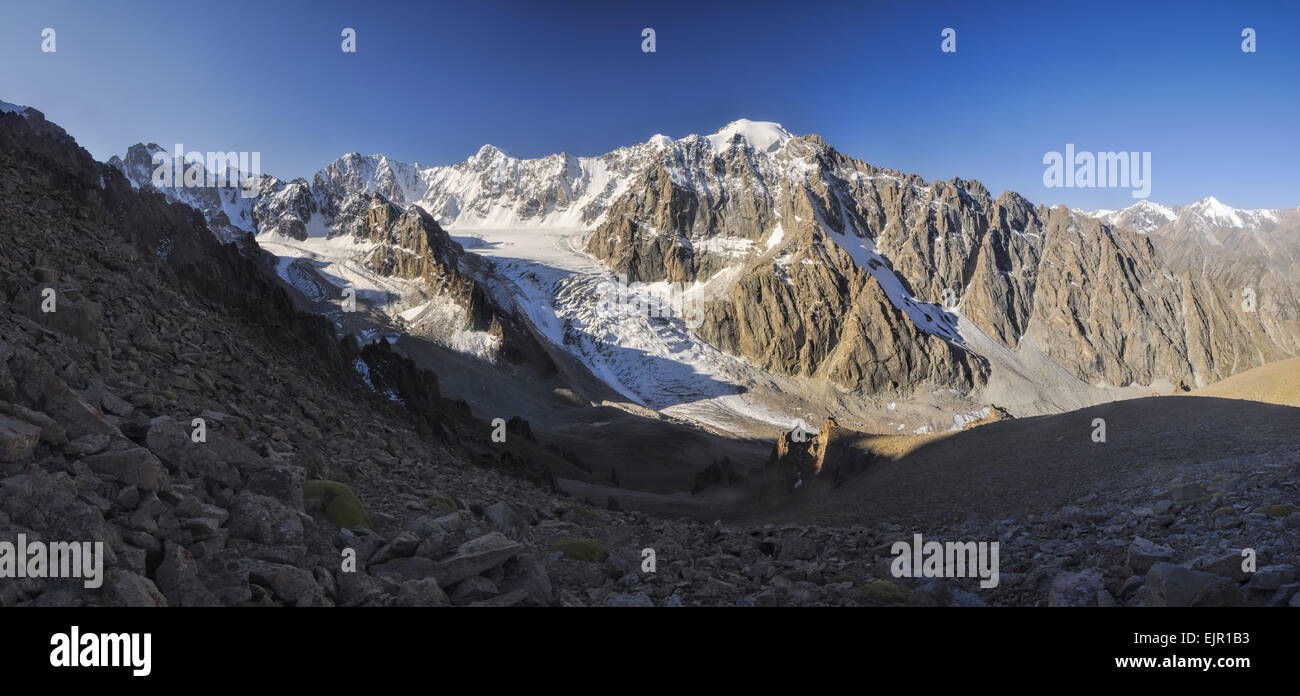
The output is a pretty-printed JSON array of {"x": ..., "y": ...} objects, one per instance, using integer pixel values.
[
  {"x": 1096, "y": 300},
  {"x": 810, "y": 264},
  {"x": 1099, "y": 302},
  {"x": 1238, "y": 263},
  {"x": 226, "y": 208},
  {"x": 378, "y": 235}
]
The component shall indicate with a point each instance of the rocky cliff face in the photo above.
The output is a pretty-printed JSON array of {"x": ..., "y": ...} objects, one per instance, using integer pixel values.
[
  {"x": 409, "y": 244},
  {"x": 359, "y": 200},
  {"x": 226, "y": 208},
  {"x": 812, "y": 313},
  {"x": 801, "y": 460},
  {"x": 1237, "y": 272},
  {"x": 1101, "y": 301}
]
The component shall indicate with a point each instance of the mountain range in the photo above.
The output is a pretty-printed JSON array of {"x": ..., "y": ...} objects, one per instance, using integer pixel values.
[
  {"x": 487, "y": 428},
  {"x": 808, "y": 274}
]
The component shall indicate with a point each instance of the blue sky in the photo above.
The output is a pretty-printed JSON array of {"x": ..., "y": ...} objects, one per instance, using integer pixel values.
[{"x": 432, "y": 82}]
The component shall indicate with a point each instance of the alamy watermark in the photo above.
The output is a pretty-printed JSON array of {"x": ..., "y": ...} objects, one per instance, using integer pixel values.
[
  {"x": 954, "y": 559},
  {"x": 55, "y": 559},
  {"x": 181, "y": 169},
  {"x": 77, "y": 649},
  {"x": 1098, "y": 170}
]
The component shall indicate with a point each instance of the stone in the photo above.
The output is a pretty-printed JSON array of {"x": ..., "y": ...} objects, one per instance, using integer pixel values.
[
  {"x": 402, "y": 545},
  {"x": 473, "y": 589},
  {"x": 1187, "y": 493},
  {"x": 52, "y": 432},
  {"x": 531, "y": 576},
  {"x": 798, "y": 548},
  {"x": 1169, "y": 585},
  {"x": 424, "y": 592},
  {"x": 432, "y": 545},
  {"x": 504, "y": 517},
  {"x": 1129, "y": 586},
  {"x": 124, "y": 588},
  {"x": 639, "y": 599},
  {"x": 171, "y": 442},
  {"x": 114, "y": 405},
  {"x": 508, "y": 599},
  {"x": 132, "y": 466},
  {"x": 475, "y": 556},
  {"x": 292, "y": 585},
  {"x": 1085, "y": 588},
  {"x": 357, "y": 589},
  {"x": 402, "y": 569},
  {"x": 18, "y": 440},
  {"x": 938, "y": 593},
  {"x": 92, "y": 443},
  {"x": 225, "y": 573},
  {"x": 280, "y": 481},
  {"x": 265, "y": 520},
  {"x": 178, "y": 578},
  {"x": 1284, "y": 594},
  {"x": 1228, "y": 565},
  {"x": 1143, "y": 553},
  {"x": 1271, "y": 577}
]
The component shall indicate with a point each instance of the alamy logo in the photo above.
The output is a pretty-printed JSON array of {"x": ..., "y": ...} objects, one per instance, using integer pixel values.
[
  {"x": 56, "y": 559},
  {"x": 77, "y": 649},
  {"x": 1098, "y": 170},
  {"x": 182, "y": 169},
  {"x": 954, "y": 559},
  {"x": 800, "y": 431}
]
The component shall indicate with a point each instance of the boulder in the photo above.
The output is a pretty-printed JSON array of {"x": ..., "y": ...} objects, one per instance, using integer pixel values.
[
  {"x": 1143, "y": 553},
  {"x": 475, "y": 556},
  {"x": 1169, "y": 585},
  {"x": 18, "y": 440}
]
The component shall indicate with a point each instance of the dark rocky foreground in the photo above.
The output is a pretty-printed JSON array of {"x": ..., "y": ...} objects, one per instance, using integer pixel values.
[{"x": 315, "y": 446}]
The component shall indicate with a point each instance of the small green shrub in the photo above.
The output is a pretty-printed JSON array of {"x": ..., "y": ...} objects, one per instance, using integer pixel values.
[
  {"x": 884, "y": 592},
  {"x": 1279, "y": 510},
  {"x": 342, "y": 507},
  {"x": 579, "y": 549}
]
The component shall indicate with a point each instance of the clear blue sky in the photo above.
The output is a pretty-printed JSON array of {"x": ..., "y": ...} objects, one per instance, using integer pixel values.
[{"x": 432, "y": 82}]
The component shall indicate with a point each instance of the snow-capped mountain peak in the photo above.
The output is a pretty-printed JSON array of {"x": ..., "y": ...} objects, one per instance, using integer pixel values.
[
  {"x": 1203, "y": 217},
  {"x": 764, "y": 136},
  {"x": 1143, "y": 217},
  {"x": 489, "y": 152},
  {"x": 1216, "y": 212},
  {"x": 13, "y": 108}
]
